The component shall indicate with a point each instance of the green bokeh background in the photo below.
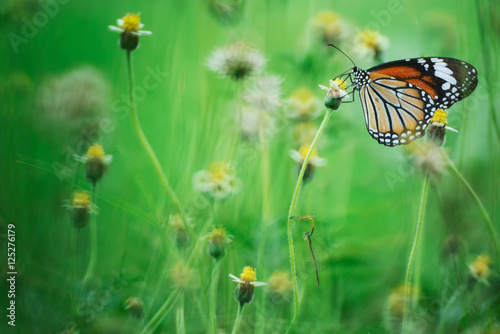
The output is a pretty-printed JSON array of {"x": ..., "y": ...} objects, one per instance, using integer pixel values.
[{"x": 365, "y": 200}]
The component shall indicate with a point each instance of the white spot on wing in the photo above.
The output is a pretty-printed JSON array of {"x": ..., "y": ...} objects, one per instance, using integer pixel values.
[
  {"x": 446, "y": 86},
  {"x": 446, "y": 77}
]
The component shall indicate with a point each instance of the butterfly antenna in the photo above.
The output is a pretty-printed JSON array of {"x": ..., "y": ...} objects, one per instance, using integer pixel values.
[{"x": 343, "y": 53}]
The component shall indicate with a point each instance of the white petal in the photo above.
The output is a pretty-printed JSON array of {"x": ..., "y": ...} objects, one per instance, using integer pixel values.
[
  {"x": 323, "y": 87},
  {"x": 107, "y": 159},
  {"x": 119, "y": 22},
  {"x": 79, "y": 158},
  {"x": 296, "y": 156},
  {"x": 451, "y": 129},
  {"x": 318, "y": 162},
  {"x": 235, "y": 279},
  {"x": 145, "y": 32},
  {"x": 258, "y": 283},
  {"x": 113, "y": 28}
]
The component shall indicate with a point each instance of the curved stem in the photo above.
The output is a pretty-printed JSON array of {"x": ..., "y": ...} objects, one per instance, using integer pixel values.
[
  {"x": 151, "y": 153},
  {"x": 477, "y": 201},
  {"x": 93, "y": 242},
  {"x": 420, "y": 221},
  {"x": 213, "y": 298},
  {"x": 291, "y": 212},
  {"x": 238, "y": 318}
]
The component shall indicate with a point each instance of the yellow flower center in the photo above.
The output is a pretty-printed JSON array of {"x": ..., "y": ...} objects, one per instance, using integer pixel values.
[
  {"x": 131, "y": 22},
  {"x": 95, "y": 152},
  {"x": 481, "y": 267},
  {"x": 249, "y": 275},
  {"x": 81, "y": 199},
  {"x": 304, "y": 149},
  {"x": 218, "y": 235},
  {"x": 326, "y": 17},
  {"x": 302, "y": 95},
  {"x": 340, "y": 83},
  {"x": 370, "y": 38},
  {"x": 440, "y": 117},
  {"x": 220, "y": 170}
]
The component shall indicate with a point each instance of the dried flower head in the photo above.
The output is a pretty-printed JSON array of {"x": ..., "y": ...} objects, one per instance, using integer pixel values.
[
  {"x": 303, "y": 104},
  {"x": 251, "y": 121},
  {"x": 96, "y": 162},
  {"x": 314, "y": 161},
  {"x": 218, "y": 181},
  {"x": 246, "y": 283},
  {"x": 480, "y": 268},
  {"x": 217, "y": 241},
  {"x": 335, "y": 94},
  {"x": 236, "y": 61},
  {"x": 330, "y": 26},
  {"x": 280, "y": 286},
  {"x": 370, "y": 44},
  {"x": 129, "y": 27},
  {"x": 74, "y": 100},
  {"x": 427, "y": 156},
  {"x": 264, "y": 92}
]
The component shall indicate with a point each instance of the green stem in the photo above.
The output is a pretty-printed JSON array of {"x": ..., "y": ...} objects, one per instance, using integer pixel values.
[
  {"x": 181, "y": 323},
  {"x": 160, "y": 315},
  {"x": 291, "y": 221},
  {"x": 213, "y": 298},
  {"x": 477, "y": 201},
  {"x": 420, "y": 221},
  {"x": 93, "y": 242},
  {"x": 238, "y": 318},
  {"x": 266, "y": 215},
  {"x": 151, "y": 153}
]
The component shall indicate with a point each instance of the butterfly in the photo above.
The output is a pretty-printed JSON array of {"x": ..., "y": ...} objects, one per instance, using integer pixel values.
[{"x": 400, "y": 97}]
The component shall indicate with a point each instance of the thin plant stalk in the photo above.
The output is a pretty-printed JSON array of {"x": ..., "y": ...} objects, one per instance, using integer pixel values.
[
  {"x": 420, "y": 222},
  {"x": 181, "y": 323},
  {"x": 291, "y": 213},
  {"x": 238, "y": 318},
  {"x": 161, "y": 314},
  {"x": 266, "y": 214},
  {"x": 149, "y": 150},
  {"x": 477, "y": 201},
  {"x": 213, "y": 298},
  {"x": 93, "y": 242}
]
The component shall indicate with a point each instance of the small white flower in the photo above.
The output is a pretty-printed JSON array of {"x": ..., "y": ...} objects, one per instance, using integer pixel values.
[
  {"x": 219, "y": 181},
  {"x": 131, "y": 24},
  {"x": 236, "y": 61},
  {"x": 303, "y": 104},
  {"x": 264, "y": 93},
  {"x": 370, "y": 44},
  {"x": 334, "y": 91},
  {"x": 300, "y": 155},
  {"x": 238, "y": 280}
]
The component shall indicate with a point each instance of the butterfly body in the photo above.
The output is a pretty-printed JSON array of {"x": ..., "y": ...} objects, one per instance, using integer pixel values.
[{"x": 400, "y": 97}]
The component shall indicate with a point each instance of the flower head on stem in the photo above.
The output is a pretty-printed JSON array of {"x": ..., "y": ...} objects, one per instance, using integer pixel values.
[
  {"x": 370, "y": 44},
  {"x": 335, "y": 94},
  {"x": 480, "y": 269},
  {"x": 314, "y": 161},
  {"x": 129, "y": 27},
  {"x": 81, "y": 208},
  {"x": 218, "y": 181},
  {"x": 217, "y": 241},
  {"x": 96, "y": 162},
  {"x": 438, "y": 127},
  {"x": 246, "y": 284}
]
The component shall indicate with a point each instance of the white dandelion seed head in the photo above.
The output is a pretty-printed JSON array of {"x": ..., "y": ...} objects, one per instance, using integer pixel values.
[
  {"x": 236, "y": 61},
  {"x": 264, "y": 92}
]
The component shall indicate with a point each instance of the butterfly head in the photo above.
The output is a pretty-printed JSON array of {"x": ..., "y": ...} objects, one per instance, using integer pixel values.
[{"x": 361, "y": 77}]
